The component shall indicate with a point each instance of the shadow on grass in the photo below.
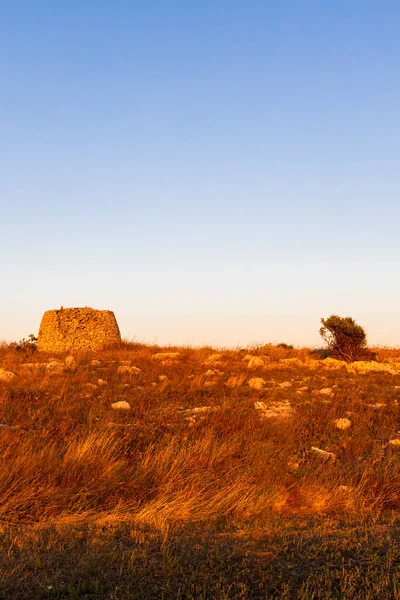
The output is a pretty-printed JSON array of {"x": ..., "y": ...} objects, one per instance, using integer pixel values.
[{"x": 292, "y": 559}]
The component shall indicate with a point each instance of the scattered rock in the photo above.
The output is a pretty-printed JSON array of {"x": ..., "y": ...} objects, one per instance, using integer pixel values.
[
  {"x": 127, "y": 370},
  {"x": 70, "y": 362},
  {"x": 326, "y": 392},
  {"x": 292, "y": 362},
  {"x": 256, "y": 362},
  {"x": 285, "y": 384},
  {"x": 163, "y": 377},
  {"x": 197, "y": 411},
  {"x": 257, "y": 383},
  {"x": 333, "y": 363},
  {"x": 342, "y": 423},
  {"x": 247, "y": 358},
  {"x": 166, "y": 356},
  {"x": 366, "y": 366},
  {"x": 377, "y": 406},
  {"x": 55, "y": 367},
  {"x": 95, "y": 363},
  {"x": 394, "y": 442},
  {"x": 33, "y": 366},
  {"x": 121, "y": 405},
  {"x": 211, "y": 372},
  {"x": 7, "y": 376},
  {"x": 324, "y": 453},
  {"x": 102, "y": 382},
  {"x": 275, "y": 410},
  {"x": 213, "y": 359}
]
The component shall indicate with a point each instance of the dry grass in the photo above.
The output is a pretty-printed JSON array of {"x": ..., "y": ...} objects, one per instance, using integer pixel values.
[{"x": 75, "y": 471}]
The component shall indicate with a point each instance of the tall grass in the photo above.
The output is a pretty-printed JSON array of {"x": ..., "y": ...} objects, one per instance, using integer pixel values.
[{"x": 66, "y": 451}]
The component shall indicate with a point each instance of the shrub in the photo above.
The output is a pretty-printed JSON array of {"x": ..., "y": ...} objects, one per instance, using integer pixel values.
[{"x": 345, "y": 339}]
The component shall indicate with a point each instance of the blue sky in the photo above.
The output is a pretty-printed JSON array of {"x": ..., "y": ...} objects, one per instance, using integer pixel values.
[{"x": 220, "y": 172}]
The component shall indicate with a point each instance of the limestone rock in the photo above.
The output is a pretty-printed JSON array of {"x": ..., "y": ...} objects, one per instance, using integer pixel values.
[
  {"x": 121, "y": 405},
  {"x": 324, "y": 454},
  {"x": 334, "y": 363},
  {"x": 70, "y": 362},
  {"x": 394, "y": 442},
  {"x": 257, "y": 383},
  {"x": 343, "y": 423},
  {"x": 326, "y": 391},
  {"x": 291, "y": 362},
  {"x": 213, "y": 359},
  {"x": 166, "y": 356},
  {"x": 55, "y": 366},
  {"x": 276, "y": 410},
  {"x": 247, "y": 358},
  {"x": 256, "y": 362},
  {"x": 366, "y": 366},
  {"x": 77, "y": 329},
  {"x": 7, "y": 376},
  {"x": 285, "y": 384},
  {"x": 126, "y": 370}
]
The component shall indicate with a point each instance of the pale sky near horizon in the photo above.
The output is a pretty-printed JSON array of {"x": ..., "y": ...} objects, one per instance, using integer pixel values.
[{"x": 221, "y": 172}]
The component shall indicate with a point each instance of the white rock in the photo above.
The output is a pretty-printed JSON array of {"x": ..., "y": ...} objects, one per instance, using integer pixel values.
[
  {"x": 257, "y": 383},
  {"x": 343, "y": 423},
  {"x": 247, "y": 358},
  {"x": 326, "y": 391},
  {"x": 213, "y": 359},
  {"x": 70, "y": 362},
  {"x": 395, "y": 442},
  {"x": 55, "y": 366},
  {"x": 7, "y": 376},
  {"x": 121, "y": 405},
  {"x": 275, "y": 410},
  {"x": 256, "y": 362},
  {"x": 127, "y": 370},
  {"x": 198, "y": 410},
  {"x": 166, "y": 355},
  {"x": 260, "y": 405},
  {"x": 33, "y": 366},
  {"x": 377, "y": 406},
  {"x": 324, "y": 453},
  {"x": 285, "y": 384}
]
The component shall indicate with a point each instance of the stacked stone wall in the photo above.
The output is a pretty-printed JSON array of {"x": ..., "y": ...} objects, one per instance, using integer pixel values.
[{"x": 77, "y": 329}]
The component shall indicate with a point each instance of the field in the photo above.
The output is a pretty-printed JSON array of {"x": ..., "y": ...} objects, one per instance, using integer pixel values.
[{"x": 262, "y": 472}]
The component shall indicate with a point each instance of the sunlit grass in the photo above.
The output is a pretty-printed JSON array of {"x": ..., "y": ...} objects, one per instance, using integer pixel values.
[{"x": 77, "y": 475}]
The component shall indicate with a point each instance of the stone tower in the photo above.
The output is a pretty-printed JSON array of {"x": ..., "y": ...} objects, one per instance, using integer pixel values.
[{"x": 77, "y": 329}]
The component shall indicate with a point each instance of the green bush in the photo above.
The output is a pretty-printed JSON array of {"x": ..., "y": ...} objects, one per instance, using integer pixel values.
[{"x": 345, "y": 339}]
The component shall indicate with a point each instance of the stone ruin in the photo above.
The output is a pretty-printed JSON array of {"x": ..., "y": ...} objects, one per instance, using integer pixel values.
[{"x": 77, "y": 329}]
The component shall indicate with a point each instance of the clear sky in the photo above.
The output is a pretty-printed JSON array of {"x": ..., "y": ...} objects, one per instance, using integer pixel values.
[{"x": 219, "y": 171}]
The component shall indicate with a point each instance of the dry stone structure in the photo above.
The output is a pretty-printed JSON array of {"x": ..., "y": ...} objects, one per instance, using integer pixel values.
[{"x": 77, "y": 329}]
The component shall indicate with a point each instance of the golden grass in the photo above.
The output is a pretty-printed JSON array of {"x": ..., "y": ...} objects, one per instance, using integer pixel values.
[{"x": 68, "y": 458}]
